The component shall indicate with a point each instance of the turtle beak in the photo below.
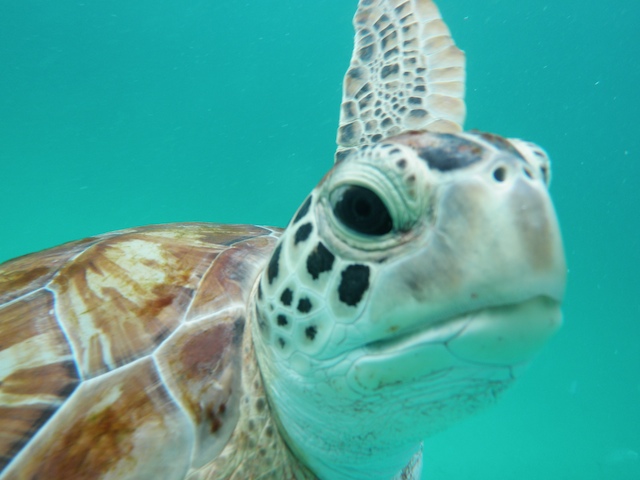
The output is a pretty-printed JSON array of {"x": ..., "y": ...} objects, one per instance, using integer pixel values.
[{"x": 492, "y": 248}]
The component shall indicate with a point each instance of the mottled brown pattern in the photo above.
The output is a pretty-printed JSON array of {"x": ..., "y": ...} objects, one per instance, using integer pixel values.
[
  {"x": 52, "y": 380},
  {"x": 37, "y": 372},
  {"x": 123, "y": 296},
  {"x": 229, "y": 280},
  {"x": 201, "y": 365},
  {"x": 119, "y": 296},
  {"x": 16, "y": 424},
  {"x": 94, "y": 436},
  {"x": 25, "y": 274}
]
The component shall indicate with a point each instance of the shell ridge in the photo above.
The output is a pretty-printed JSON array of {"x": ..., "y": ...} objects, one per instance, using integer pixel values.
[{"x": 65, "y": 333}]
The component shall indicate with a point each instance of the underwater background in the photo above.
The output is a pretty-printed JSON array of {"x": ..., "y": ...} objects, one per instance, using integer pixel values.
[{"x": 117, "y": 113}]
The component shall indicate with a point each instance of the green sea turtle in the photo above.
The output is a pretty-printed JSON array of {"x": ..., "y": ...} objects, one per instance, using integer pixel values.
[{"x": 408, "y": 290}]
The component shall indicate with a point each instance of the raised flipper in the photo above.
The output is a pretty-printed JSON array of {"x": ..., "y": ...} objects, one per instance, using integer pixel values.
[{"x": 405, "y": 74}]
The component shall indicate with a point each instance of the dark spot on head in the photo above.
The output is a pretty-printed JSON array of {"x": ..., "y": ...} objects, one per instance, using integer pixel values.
[
  {"x": 354, "y": 283},
  {"x": 281, "y": 342},
  {"x": 320, "y": 260},
  {"x": 272, "y": 270},
  {"x": 304, "y": 305},
  {"x": 286, "y": 297},
  {"x": 261, "y": 403},
  {"x": 303, "y": 233},
  {"x": 282, "y": 321},
  {"x": 402, "y": 163},
  {"x": 450, "y": 152},
  {"x": 304, "y": 209},
  {"x": 311, "y": 332}
]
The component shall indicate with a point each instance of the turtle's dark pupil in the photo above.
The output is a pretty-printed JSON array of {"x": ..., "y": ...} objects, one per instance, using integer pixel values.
[{"x": 361, "y": 210}]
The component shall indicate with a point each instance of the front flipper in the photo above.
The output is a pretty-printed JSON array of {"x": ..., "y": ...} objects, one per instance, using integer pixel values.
[{"x": 405, "y": 74}]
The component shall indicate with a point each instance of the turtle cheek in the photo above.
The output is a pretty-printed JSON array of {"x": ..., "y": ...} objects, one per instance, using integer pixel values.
[{"x": 490, "y": 245}]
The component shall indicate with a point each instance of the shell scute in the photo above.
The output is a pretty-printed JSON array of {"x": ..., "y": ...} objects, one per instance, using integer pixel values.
[
  {"x": 113, "y": 354},
  {"x": 201, "y": 365},
  {"x": 228, "y": 281},
  {"x": 121, "y": 297},
  {"x": 124, "y": 425},
  {"x": 25, "y": 274}
]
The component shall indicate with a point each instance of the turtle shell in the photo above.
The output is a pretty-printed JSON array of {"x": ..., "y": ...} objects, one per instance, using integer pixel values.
[{"x": 120, "y": 355}]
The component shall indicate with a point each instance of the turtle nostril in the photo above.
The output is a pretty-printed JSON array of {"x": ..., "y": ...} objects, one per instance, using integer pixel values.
[{"x": 500, "y": 174}]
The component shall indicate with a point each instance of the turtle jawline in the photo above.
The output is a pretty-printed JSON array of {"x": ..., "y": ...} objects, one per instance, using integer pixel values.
[
  {"x": 443, "y": 330},
  {"x": 440, "y": 331}
]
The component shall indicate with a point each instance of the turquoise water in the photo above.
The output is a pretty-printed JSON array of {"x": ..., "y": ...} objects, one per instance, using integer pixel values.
[{"x": 119, "y": 113}]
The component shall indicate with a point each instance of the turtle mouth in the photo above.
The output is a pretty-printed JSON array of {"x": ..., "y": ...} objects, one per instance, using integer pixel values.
[
  {"x": 485, "y": 344},
  {"x": 504, "y": 334}
]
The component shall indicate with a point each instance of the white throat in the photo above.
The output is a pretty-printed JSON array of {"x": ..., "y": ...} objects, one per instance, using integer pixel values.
[{"x": 340, "y": 434}]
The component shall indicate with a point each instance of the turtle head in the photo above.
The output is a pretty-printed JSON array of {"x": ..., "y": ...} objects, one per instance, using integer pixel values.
[{"x": 408, "y": 291}]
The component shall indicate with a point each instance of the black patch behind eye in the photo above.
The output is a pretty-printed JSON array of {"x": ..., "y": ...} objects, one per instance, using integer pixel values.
[
  {"x": 355, "y": 281},
  {"x": 304, "y": 305},
  {"x": 303, "y": 233},
  {"x": 320, "y": 260},
  {"x": 274, "y": 264},
  {"x": 304, "y": 209},
  {"x": 282, "y": 321}
]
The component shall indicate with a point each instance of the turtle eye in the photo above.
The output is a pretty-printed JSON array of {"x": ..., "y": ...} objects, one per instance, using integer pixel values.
[{"x": 361, "y": 210}]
